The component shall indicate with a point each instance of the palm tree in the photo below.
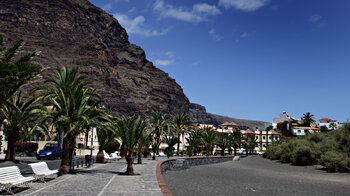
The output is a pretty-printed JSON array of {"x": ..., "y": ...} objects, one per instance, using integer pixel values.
[
  {"x": 223, "y": 142},
  {"x": 105, "y": 134},
  {"x": 171, "y": 140},
  {"x": 16, "y": 113},
  {"x": 181, "y": 122},
  {"x": 130, "y": 131},
  {"x": 307, "y": 119},
  {"x": 194, "y": 142},
  {"x": 236, "y": 140},
  {"x": 251, "y": 144},
  {"x": 144, "y": 142},
  {"x": 74, "y": 108},
  {"x": 155, "y": 147},
  {"x": 158, "y": 122},
  {"x": 209, "y": 139},
  {"x": 15, "y": 73}
]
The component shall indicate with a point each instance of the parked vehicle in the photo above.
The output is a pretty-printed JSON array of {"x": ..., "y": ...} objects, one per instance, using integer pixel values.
[
  {"x": 49, "y": 152},
  {"x": 242, "y": 152},
  {"x": 258, "y": 152}
]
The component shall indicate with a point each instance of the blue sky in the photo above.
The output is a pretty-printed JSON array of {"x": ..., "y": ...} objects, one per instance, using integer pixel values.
[{"x": 249, "y": 59}]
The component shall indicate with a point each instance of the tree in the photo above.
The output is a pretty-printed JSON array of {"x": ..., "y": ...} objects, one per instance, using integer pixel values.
[
  {"x": 181, "y": 122},
  {"x": 251, "y": 144},
  {"x": 74, "y": 108},
  {"x": 15, "y": 73},
  {"x": 105, "y": 134},
  {"x": 236, "y": 140},
  {"x": 158, "y": 122},
  {"x": 155, "y": 147},
  {"x": 130, "y": 131},
  {"x": 194, "y": 143},
  {"x": 16, "y": 113},
  {"x": 307, "y": 119},
  {"x": 223, "y": 142},
  {"x": 144, "y": 142},
  {"x": 209, "y": 139},
  {"x": 333, "y": 126},
  {"x": 171, "y": 140}
]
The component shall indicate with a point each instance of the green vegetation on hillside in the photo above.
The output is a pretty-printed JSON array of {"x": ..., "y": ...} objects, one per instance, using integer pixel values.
[{"x": 330, "y": 149}]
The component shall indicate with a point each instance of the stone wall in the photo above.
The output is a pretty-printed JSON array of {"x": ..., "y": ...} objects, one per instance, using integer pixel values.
[{"x": 186, "y": 163}]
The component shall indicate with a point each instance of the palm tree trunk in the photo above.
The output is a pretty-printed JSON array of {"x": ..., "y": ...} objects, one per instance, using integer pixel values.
[
  {"x": 129, "y": 162},
  {"x": 67, "y": 155},
  {"x": 123, "y": 150},
  {"x": 222, "y": 152},
  {"x": 12, "y": 137},
  {"x": 235, "y": 150},
  {"x": 100, "y": 158},
  {"x": 139, "y": 158},
  {"x": 178, "y": 146}
]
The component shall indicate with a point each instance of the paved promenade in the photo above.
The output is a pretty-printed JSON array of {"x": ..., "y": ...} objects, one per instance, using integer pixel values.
[
  {"x": 256, "y": 176},
  {"x": 102, "y": 179}
]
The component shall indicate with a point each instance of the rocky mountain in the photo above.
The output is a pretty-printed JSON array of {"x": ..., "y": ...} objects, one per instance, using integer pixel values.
[
  {"x": 76, "y": 33},
  {"x": 199, "y": 114}
]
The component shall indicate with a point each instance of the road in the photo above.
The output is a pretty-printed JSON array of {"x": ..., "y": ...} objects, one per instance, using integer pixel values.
[{"x": 256, "y": 176}]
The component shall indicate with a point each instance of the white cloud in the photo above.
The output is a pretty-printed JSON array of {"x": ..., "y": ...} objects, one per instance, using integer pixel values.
[
  {"x": 163, "y": 58},
  {"x": 164, "y": 62},
  {"x": 136, "y": 26},
  {"x": 315, "y": 18},
  {"x": 244, "y": 5},
  {"x": 244, "y": 35},
  {"x": 198, "y": 13},
  {"x": 214, "y": 35}
]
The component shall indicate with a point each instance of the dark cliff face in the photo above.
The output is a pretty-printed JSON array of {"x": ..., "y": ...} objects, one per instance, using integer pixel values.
[
  {"x": 76, "y": 33},
  {"x": 199, "y": 114}
]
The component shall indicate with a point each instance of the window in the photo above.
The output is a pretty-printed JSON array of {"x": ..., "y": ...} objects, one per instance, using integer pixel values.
[
  {"x": 276, "y": 138},
  {"x": 263, "y": 137},
  {"x": 299, "y": 131},
  {"x": 256, "y": 137},
  {"x": 269, "y": 137},
  {"x": 264, "y": 145}
]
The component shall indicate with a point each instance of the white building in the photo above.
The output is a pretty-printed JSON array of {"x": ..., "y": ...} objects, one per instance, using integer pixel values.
[
  {"x": 284, "y": 116},
  {"x": 301, "y": 131},
  {"x": 329, "y": 123}
]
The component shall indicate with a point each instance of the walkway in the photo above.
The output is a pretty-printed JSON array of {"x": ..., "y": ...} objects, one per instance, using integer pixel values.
[
  {"x": 102, "y": 179},
  {"x": 256, "y": 176}
]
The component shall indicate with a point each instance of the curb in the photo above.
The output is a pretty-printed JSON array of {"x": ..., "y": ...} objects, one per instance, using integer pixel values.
[{"x": 163, "y": 187}]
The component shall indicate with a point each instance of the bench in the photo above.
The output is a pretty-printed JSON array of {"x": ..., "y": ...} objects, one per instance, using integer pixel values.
[
  {"x": 41, "y": 170},
  {"x": 12, "y": 177}
]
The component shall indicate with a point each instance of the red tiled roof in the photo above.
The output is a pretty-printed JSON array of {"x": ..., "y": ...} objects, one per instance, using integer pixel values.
[
  {"x": 248, "y": 131},
  {"x": 229, "y": 124},
  {"x": 328, "y": 119},
  {"x": 273, "y": 132}
]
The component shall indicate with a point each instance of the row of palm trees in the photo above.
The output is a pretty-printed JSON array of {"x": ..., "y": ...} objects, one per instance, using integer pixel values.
[{"x": 206, "y": 139}]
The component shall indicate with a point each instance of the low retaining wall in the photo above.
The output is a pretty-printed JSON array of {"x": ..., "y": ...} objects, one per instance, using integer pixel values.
[
  {"x": 186, "y": 163},
  {"x": 183, "y": 163}
]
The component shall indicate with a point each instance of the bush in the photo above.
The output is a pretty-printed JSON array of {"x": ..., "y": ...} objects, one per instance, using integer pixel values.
[
  {"x": 20, "y": 146},
  {"x": 335, "y": 161},
  {"x": 32, "y": 147},
  {"x": 112, "y": 146}
]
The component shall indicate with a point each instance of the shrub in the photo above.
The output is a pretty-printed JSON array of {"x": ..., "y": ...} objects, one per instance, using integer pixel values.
[
  {"x": 112, "y": 146},
  {"x": 303, "y": 155},
  {"x": 31, "y": 147},
  {"x": 20, "y": 146},
  {"x": 335, "y": 161}
]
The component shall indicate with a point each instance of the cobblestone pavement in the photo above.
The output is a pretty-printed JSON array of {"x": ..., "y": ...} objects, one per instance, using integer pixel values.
[
  {"x": 256, "y": 176},
  {"x": 102, "y": 179}
]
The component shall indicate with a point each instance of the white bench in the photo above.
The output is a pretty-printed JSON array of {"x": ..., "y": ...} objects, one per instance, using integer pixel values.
[
  {"x": 41, "y": 170},
  {"x": 12, "y": 177}
]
